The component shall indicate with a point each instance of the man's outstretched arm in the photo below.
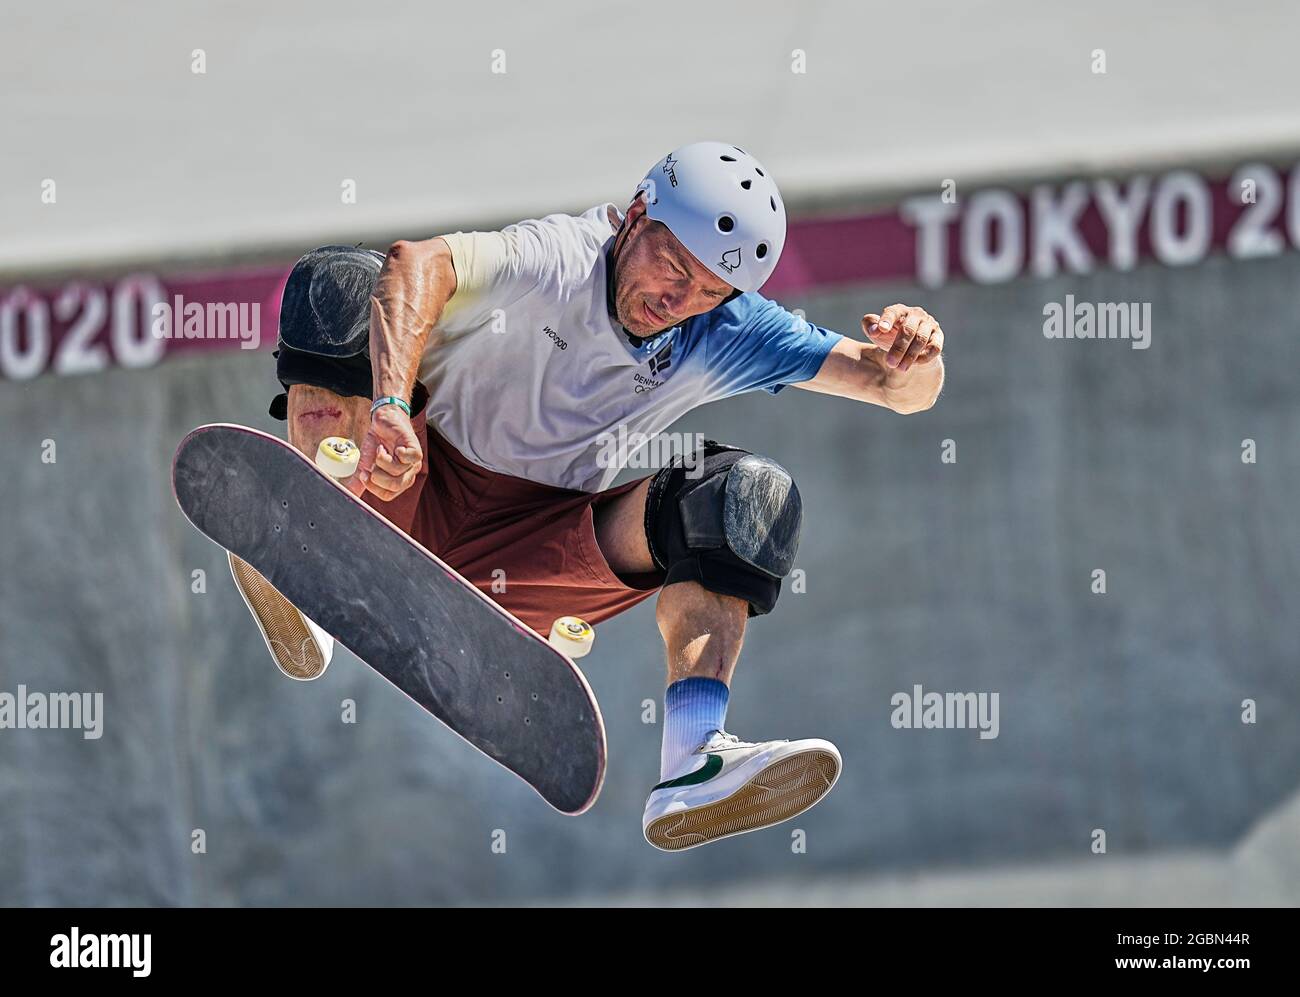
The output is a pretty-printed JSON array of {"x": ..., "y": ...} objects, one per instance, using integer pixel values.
[{"x": 900, "y": 367}]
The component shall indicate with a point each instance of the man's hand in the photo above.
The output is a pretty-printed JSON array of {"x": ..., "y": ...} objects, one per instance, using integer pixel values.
[
  {"x": 877, "y": 371},
  {"x": 390, "y": 455},
  {"x": 908, "y": 334}
]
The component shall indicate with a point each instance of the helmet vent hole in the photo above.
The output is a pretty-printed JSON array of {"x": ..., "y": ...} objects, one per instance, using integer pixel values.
[
  {"x": 746, "y": 184},
  {"x": 726, "y": 223},
  {"x": 759, "y": 172},
  {"x": 772, "y": 201},
  {"x": 740, "y": 150},
  {"x": 728, "y": 159},
  {"x": 761, "y": 250}
]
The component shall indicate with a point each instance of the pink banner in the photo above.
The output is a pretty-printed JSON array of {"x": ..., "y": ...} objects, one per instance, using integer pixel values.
[
  {"x": 137, "y": 320},
  {"x": 989, "y": 235}
]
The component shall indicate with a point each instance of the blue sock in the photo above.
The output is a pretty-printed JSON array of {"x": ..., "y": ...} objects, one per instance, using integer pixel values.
[{"x": 693, "y": 709}]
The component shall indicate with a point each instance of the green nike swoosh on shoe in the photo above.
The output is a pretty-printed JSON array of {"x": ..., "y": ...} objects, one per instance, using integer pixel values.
[
  {"x": 742, "y": 786},
  {"x": 702, "y": 774}
]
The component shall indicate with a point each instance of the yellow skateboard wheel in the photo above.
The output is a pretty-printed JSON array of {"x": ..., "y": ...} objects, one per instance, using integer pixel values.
[
  {"x": 572, "y": 636},
  {"x": 337, "y": 456}
]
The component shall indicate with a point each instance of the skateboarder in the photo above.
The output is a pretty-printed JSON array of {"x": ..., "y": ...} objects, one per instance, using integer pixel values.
[{"x": 485, "y": 375}]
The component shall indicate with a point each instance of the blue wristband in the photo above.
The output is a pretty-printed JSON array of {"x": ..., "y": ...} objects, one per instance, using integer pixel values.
[{"x": 390, "y": 400}]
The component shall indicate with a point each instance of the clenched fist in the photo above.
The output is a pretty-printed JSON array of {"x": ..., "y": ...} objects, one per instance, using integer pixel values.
[{"x": 390, "y": 455}]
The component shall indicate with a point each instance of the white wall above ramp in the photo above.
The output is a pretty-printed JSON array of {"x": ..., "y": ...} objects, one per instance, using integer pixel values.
[{"x": 151, "y": 160}]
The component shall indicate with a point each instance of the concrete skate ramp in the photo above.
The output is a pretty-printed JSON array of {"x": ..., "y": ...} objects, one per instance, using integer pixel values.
[
  {"x": 1261, "y": 871},
  {"x": 1120, "y": 712}
]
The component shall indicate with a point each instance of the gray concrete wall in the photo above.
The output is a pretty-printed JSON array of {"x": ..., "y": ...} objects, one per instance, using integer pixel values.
[{"x": 1119, "y": 711}]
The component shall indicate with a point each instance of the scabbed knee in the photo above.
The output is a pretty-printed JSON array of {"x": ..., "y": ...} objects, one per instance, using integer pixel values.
[{"x": 733, "y": 525}]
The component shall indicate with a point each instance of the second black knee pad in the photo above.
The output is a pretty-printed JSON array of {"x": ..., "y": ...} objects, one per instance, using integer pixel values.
[
  {"x": 730, "y": 521},
  {"x": 325, "y": 322}
]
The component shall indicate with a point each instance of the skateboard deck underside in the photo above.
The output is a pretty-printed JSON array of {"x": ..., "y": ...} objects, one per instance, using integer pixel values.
[{"x": 398, "y": 608}]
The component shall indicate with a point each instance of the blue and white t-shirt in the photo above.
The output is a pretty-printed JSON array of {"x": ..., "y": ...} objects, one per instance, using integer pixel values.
[{"x": 530, "y": 376}]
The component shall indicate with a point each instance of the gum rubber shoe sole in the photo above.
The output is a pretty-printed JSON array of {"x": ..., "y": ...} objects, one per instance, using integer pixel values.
[
  {"x": 287, "y": 638},
  {"x": 777, "y": 793}
]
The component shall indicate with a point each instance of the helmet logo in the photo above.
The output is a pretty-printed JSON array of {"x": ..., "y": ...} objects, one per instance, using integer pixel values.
[
  {"x": 669, "y": 163},
  {"x": 730, "y": 260}
]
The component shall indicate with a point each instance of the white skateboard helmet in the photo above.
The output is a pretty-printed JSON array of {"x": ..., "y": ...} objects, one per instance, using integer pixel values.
[{"x": 719, "y": 202}]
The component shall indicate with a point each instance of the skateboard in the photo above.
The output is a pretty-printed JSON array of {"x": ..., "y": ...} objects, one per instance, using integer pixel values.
[{"x": 397, "y": 607}]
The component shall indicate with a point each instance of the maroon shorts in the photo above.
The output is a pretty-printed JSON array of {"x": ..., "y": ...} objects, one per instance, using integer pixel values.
[{"x": 527, "y": 546}]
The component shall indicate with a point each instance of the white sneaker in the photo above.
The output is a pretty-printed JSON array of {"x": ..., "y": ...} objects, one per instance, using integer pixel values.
[
  {"x": 728, "y": 786},
  {"x": 301, "y": 649}
]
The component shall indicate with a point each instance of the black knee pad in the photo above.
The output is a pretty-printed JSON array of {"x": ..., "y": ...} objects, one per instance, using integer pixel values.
[
  {"x": 325, "y": 322},
  {"x": 730, "y": 521}
]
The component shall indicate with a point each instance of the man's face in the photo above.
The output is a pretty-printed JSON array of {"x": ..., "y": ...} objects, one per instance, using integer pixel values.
[{"x": 657, "y": 282}]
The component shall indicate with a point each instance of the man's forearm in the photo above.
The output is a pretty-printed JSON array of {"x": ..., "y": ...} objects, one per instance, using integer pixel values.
[{"x": 414, "y": 286}]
